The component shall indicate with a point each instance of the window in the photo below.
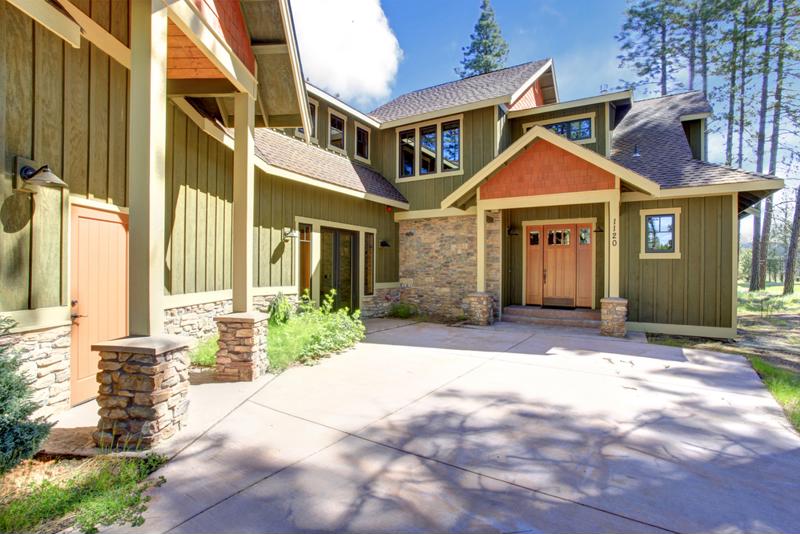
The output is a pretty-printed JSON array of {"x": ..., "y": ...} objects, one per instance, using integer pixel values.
[
  {"x": 558, "y": 237},
  {"x": 408, "y": 143},
  {"x": 305, "y": 258},
  {"x": 369, "y": 263},
  {"x": 660, "y": 233},
  {"x": 427, "y": 149},
  {"x": 585, "y": 236},
  {"x": 578, "y": 128},
  {"x": 533, "y": 238},
  {"x": 336, "y": 124},
  {"x": 451, "y": 146},
  {"x": 362, "y": 142},
  {"x": 430, "y": 149},
  {"x": 312, "y": 112}
]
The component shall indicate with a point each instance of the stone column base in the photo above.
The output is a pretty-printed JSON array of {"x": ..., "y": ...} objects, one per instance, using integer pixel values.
[
  {"x": 242, "y": 354},
  {"x": 613, "y": 314},
  {"x": 479, "y": 308},
  {"x": 144, "y": 382}
]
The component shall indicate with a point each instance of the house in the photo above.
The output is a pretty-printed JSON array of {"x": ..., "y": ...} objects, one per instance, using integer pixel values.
[{"x": 204, "y": 176}]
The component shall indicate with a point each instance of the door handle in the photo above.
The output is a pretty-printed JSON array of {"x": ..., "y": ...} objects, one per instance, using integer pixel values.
[{"x": 74, "y": 316}]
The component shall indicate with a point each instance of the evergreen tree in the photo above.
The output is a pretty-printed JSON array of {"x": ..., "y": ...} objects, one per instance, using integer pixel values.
[
  {"x": 763, "y": 253},
  {"x": 487, "y": 50}
]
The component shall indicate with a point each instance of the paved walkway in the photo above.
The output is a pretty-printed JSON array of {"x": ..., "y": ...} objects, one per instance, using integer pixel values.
[{"x": 432, "y": 428}]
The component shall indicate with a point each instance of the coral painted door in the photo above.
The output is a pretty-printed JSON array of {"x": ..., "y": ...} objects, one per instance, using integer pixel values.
[
  {"x": 559, "y": 271},
  {"x": 534, "y": 245},
  {"x": 99, "y": 291}
]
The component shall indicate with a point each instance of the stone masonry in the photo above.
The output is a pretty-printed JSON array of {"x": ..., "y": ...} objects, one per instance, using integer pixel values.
[
  {"x": 613, "y": 314},
  {"x": 479, "y": 308},
  {"x": 45, "y": 364},
  {"x": 195, "y": 320},
  {"x": 493, "y": 274},
  {"x": 144, "y": 383},
  {"x": 242, "y": 354},
  {"x": 378, "y": 305},
  {"x": 438, "y": 266}
]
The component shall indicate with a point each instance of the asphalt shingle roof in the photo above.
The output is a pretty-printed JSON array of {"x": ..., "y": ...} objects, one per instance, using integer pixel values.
[
  {"x": 654, "y": 125},
  {"x": 465, "y": 91},
  {"x": 295, "y": 155}
]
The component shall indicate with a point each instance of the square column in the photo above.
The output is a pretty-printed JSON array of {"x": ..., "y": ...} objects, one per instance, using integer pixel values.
[
  {"x": 613, "y": 246},
  {"x": 243, "y": 202},
  {"x": 147, "y": 156}
]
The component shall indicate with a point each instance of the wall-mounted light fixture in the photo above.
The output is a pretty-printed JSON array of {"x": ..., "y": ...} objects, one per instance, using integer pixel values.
[
  {"x": 489, "y": 219},
  {"x": 599, "y": 229},
  {"x": 32, "y": 174},
  {"x": 511, "y": 230},
  {"x": 385, "y": 244},
  {"x": 289, "y": 233}
]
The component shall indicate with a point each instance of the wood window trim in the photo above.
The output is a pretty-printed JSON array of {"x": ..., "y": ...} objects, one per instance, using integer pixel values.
[
  {"x": 567, "y": 118},
  {"x": 439, "y": 173},
  {"x": 332, "y": 112},
  {"x": 367, "y": 129},
  {"x": 315, "y": 118},
  {"x": 676, "y": 254}
]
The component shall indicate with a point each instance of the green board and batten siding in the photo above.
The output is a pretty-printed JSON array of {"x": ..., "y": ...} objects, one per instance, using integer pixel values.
[
  {"x": 599, "y": 124},
  {"x": 696, "y": 289},
  {"x": 66, "y": 107},
  {"x": 198, "y": 217}
]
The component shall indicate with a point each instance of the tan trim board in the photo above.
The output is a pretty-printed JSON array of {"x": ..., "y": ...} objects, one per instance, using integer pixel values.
[
  {"x": 735, "y": 260},
  {"x": 51, "y": 18},
  {"x": 270, "y": 49},
  {"x": 38, "y": 319},
  {"x": 431, "y": 214},
  {"x": 716, "y": 332},
  {"x": 587, "y": 197},
  {"x": 608, "y": 97},
  {"x": 332, "y": 100},
  {"x": 676, "y": 255},
  {"x": 443, "y": 112},
  {"x": 97, "y": 35},
  {"x": 313, "y": 138},
  {"x": 386, "y": 285},
  {"x": 695, "y": 116},
  {"x": 193, "y": 299},
  {"x": 525, "y": 86},
  {"x": 767, "y": 184},
  {"x": 271, "y": 291},
  {"x": 76, "y": 200},
  {"x": 297, "y": 68}
]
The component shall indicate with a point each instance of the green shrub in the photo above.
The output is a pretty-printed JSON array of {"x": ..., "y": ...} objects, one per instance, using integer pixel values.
[
  {"x": 205, "y": 353},
  {"x": 403, "y": 310},
  {"x": 20, "y": 435},
  {"x": 280, "y": 309},
  {"x": 312, "y": 333}
]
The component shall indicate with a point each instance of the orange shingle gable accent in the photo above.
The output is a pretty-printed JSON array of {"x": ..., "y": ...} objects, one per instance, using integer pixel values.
[
  {"x": 531, "y": 98},
  {"x": 545, "y": 169},
  {"x": 226, "y": 18}
]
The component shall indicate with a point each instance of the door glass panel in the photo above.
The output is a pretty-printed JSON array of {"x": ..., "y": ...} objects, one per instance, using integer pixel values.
[
  {"x": 305, "y": 258},
  {"x": 344, "y": 292},
  {"x": 533, "y": 238},
  {"x": 326, "y": 262},
  {"x": 558, "y": 237},
  {"x": 585, "y": 237}
]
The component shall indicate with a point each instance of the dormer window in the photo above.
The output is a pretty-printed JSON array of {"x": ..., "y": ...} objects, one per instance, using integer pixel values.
[
  {"x": 362, "y": 142},
  {"x": 312, "y": 113},
  {"x": 336, "y": 131},
  {"x": 577, "y": 128},
  {"x": 430, "y": 149}
]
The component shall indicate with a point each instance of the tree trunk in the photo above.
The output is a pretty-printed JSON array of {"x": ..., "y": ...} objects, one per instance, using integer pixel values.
[
  {"x": 791, "y": 253},
  {"x": 743, "y": 90},
  {"x": 663, "y": 54},
  {"x": 731, "y": 94},
  {"x": 704, "y": 16},
  {"x": 692, "y": 46},
  {"x": 763, "y": 251},
  {"x": 756, "y": 250}
]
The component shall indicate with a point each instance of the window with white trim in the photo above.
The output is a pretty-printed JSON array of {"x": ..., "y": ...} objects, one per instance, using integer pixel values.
[
  {"x": 312, "y": 113},
  {"x": 429, "y": 149},
  {"x": 577, "y": 128},
  {"x": 362, "y": 142},
  {"x": 337, "y": 126},
  {"x": 660, "y": 233}
]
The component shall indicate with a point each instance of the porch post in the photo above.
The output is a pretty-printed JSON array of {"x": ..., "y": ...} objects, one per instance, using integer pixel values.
[
  {"x": 147, "y": 152},
  {"x": 481, "y": 250},
  {"x": 243, "y": 202},
  {"x": 613, "y": 246}
]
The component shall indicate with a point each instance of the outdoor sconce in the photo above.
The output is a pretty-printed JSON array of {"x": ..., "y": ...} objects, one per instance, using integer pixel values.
[
  {"x": 599, "y": 229},
  {"x": 512, "y": 231},
  {"x": 385, "y": 244},
  {"x": 30, "y": 174},
  {"x": 489, "y": 219},
  {"x": 288, "y": 234}
]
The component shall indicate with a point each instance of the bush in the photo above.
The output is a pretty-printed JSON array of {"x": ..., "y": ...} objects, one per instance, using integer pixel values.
[
  {"x": 312, "y": 333},
  {"x": 205, "y": 353},
  {"x": 280, "y": 309},
  {"x": 403, "y": 310},
  {"x": 20, "y": 436}
]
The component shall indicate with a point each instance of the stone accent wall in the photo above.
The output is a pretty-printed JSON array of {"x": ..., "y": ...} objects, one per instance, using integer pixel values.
[
  {"x": 613, "y": 314},
  {"x": 242, "y": 354},
  {"x": 144, "y": 383},
  {"x": 378, "y": 305},
  {"x": 438, "y": 265},
  {"x": 46, "y": 365},
  {"x": 196, "y": 320},
  {"x": 493, "y": 272},
  {"x": 479, "y": 308}
]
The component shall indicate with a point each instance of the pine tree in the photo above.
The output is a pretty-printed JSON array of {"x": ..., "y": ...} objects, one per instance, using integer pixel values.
[
  {"x": 651, "y": 41},
  {"x": 761, "y": 138},
  {"x": 487, "y": 50}
]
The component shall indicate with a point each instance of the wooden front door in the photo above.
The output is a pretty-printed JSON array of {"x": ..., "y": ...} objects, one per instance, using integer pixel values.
[
  {"x": 534, "y": 254},
  {"x": 558, "y": 275},
  {"x": 99, "y": 291},
  {"x": 339, "y": 266}
]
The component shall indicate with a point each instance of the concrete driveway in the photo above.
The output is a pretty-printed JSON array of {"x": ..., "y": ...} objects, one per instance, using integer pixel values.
[{"x": 432, "y": 428}]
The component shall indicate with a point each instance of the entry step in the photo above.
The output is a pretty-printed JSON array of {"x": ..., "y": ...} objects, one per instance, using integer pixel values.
[{"x": 552, "y": 316}]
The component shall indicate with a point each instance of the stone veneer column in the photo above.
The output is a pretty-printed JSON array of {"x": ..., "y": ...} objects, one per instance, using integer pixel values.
[
  {"x": 242, "y": 354},
  {"x": 144, "y": 382},
  {"x": 613, "y": 314},
  {"x": 479, "y": 308},
  {"x": 493, "y": 239}
]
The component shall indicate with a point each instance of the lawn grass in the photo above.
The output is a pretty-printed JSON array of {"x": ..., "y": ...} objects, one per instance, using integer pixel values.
[
  {"x": 205, "y": 353},
  {"x": 784, "y": 386},
  {"x": 750, "y": 302},
  {"x": 84, "y": 493}
]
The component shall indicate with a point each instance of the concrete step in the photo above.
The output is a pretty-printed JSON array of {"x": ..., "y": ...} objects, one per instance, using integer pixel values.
[
  {"x": 523, "y": 319},
  {"x": 552, "y": 313}
]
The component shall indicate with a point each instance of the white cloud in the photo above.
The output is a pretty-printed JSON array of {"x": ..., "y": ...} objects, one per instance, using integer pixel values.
[{"x": 348, "y": 48}]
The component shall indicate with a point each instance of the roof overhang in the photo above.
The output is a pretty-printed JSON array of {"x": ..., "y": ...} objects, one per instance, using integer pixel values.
[
  {"x": 530, "y": 81},
  {"x": 467, "y": 190},
  {"x": 330, "y": 99},
  {"x": 695, "y": 116},
  {"x": 598, "y": 99}
]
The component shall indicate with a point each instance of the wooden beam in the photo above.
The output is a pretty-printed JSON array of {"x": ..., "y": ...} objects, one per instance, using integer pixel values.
[
  {"x": 97, "y": 35},
  {"x": 147, "y": 148},
  {"x": 51, "y": 18},
  {"x": 209, "y": 87},
  {"x": 243, "y": 201},
  {"x": 267, "y": 49}
]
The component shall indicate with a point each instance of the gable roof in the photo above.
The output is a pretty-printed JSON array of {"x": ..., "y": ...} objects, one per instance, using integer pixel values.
[
  {"x": 496, "y": 84},
  {"x": 654, "y": 127},
  {"x": 294, "y": 155}
]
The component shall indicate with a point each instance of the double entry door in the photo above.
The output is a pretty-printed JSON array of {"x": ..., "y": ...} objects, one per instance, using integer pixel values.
[
  {"x": 339, "y": 266},
  {"x": 558, "y": 264}
]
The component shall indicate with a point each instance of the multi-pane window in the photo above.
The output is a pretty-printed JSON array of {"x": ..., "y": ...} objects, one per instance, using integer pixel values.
[
  {"x": 427, "y": 149},
  {"x": 305, "y": 258},
  {"x": 558, "y": 237},
  {"x": 575, "y": 130},
  {"x": 362, "y": 142},
  {"x": 336, "y": 132},
  {"x": 408, "y": 143},
  {"x": 369, "y": 263},
  {"x": 660, "y": 233},
  {"x": 451, "y": 146}
]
